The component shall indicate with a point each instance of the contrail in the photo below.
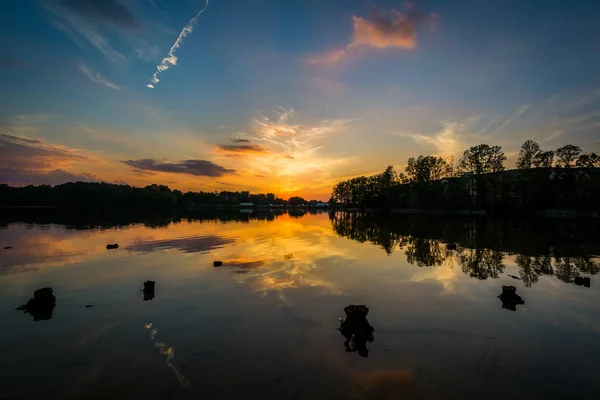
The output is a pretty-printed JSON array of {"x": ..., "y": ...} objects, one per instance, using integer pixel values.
[{"x": 170, "y": 59}]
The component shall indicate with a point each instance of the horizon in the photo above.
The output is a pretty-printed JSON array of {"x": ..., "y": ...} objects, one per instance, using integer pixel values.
[{"x": 285, "y": 98}]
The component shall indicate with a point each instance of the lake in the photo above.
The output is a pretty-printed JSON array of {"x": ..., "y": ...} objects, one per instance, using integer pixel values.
[{"x": 264, "y": 325}]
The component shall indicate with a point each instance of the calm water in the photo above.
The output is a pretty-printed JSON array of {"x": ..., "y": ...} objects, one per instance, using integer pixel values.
[{"x": 263, "y": 326}]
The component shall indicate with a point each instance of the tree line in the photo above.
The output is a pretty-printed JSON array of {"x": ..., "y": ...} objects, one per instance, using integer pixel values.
[
  {"x": 100, "y": 195},
  {"x": 564, "y": 178}
]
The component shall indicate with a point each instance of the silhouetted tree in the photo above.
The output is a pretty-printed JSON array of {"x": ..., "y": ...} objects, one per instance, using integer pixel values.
[
  {"x": 588, "y": 161},
  {"x": 426, "y": 169},
  {"x": 544, "y": 159},
  {"x": 482, "y": 159},
  {"x": 567, "y": 155},
  {"x": 296, "y": 201},
  {"x": 527, "y": 155}
]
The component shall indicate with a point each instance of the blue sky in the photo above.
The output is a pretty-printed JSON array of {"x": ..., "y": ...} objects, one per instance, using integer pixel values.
[{"x": 286, "y": 96}]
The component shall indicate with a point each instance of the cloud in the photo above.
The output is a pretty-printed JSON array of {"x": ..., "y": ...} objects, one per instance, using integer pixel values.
[
  {"x": 110, "y": 11},
  {"x": 330, "y": 57},
  {"x": 171, "y": 59},
  {"x": 192, "y": 167},
  {"x": 193, "y": 244},
  {"x": 16, "y": 177},
  {"x": 79, "y": 26},
  {"x": 96, "y": 77},
  {"x": 25, "y": 161},
  {"x": 384, "y": 30},
  {"x": 236, "y": 151},
  {"x": 242, "y": 266},
  {"x": 288, "y": 156},
  {"x": 240, "y": 140},
  {"x": 20, "y": 153},
  {"x": 512, "y": 118}
]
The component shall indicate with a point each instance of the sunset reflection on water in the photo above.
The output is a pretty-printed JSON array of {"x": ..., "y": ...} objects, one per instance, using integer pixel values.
[{"x": 263, "y": 324}]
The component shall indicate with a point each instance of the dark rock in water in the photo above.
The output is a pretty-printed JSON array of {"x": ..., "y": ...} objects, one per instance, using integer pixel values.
[
  {"x": 7, "y": 247},
  {"x": 148, "y": 290},
  {"x": 510, "y": 299},
  {"x": 356, "y": 329},
  {"x": 89, "y": 305},
  {"x": 581, "y": 281},
  {"x": 451, "y": 246},
  {"x": 43, "y": 293},
  {"x": 41, "y": 305},
  {"x": 112, "y": 246},
  {"x": 217, "y": 263}
]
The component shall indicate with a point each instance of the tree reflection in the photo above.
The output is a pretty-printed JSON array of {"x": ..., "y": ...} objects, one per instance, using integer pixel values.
[
  {"x": 481, "y": 263},
  {"x": 424, "y": 252},
  {"x": 541, "y": 247}
]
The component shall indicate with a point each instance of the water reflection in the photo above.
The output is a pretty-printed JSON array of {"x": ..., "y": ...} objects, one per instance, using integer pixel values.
[
  {"x": 267, "y": 316},
  {"x": 479, "y": 246}
]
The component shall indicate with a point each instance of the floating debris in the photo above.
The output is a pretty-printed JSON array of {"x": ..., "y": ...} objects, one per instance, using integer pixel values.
[
  {"x": 217, "y": 263},
  {"x": 112, "y": 246},
  {"x": 7, "y": 247},
  {"x": 89, "y": 305}
]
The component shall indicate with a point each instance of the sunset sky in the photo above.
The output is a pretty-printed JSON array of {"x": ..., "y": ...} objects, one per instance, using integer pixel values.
[{"x": 285, "y": 96}]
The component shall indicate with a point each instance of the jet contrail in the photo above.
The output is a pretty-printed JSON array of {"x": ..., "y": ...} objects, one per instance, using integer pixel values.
[{"x": 170, "y": 59}]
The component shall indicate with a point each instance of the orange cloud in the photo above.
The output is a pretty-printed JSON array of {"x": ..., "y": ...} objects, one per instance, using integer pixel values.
[
  {"x": 385, "y": 29},
  {"x": 238, "y": 151},
  {"x": 391, "y": 29}
]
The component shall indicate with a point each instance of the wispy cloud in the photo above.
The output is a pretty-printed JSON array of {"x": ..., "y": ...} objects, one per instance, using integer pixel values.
[
  {"x": 192, "y": 167},
  {"x": 96, "y": 77},
  {"x": 384, "y": 30},
  {"x": 294, "y": 159},
  {"x": 171, "y": 59},
  {"x": 110, "y": 11},
  {"x": 588, "y": 98},
  {"x": 82, "y": 26},
  {"x": 448, "y": 140},
  {"x": 522, "y": 110}
]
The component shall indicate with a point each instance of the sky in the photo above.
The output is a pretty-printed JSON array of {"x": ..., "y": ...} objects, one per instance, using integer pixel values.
[{"x": 287, "y": 97}]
